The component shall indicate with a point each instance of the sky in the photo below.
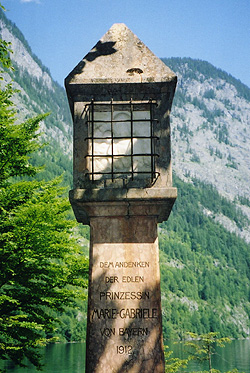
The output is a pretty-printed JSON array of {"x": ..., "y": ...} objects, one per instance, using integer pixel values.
[{"x": 62, "y": 32}]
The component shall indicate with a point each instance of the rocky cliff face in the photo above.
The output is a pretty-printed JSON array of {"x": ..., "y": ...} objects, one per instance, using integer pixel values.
[
  {"x": 22, "y": 58},
  {"x": 211, "y": 131},
  {"x": 38, "y": 93},
  {"x": 210, "y": 124},
  {"x": 210, "y": 120}
]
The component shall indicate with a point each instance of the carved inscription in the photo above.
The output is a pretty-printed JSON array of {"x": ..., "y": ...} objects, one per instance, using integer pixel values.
[
  {"x": 124, "y": 295},
  {"x": 128, "y": 279},
  {"x": 124, "y": 264},
  {"x": 118, "y": 288},
  {"x": 124, "y": 304},
  {"x": 130, "y": 313},
  {"x": 124, "y": 332},
  {"x": 124, "y": 350}
]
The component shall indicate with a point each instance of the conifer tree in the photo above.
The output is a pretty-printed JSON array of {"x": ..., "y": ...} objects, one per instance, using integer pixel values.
[
  {"x": 202, "y": 347},
  {"x": 42, "y": 269}
]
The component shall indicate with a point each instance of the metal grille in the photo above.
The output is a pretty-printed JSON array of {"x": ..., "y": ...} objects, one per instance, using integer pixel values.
[{"x": 121, "y": 140}]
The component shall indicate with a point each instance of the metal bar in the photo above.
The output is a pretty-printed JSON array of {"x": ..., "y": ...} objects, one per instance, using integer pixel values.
[
  {"x": 112, "y": 139},
  {"x": 131, "y": 140},
  {"x": 124, "y": 173},
  {"x": 142, "y": 102},
  {"x": 121, "y": 138},
  {"x": 121, "y": 155},
  {"x": 151, "y": 141},
  {"x": 130, "y": 105},
  {"x": 92, "y": 135},
  {"x": 122, "y": 121}
]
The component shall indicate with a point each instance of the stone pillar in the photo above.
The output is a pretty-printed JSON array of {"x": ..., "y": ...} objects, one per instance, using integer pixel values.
[
  {"x": 120, "y": 95},
  {"x": 124, "y": 312}
]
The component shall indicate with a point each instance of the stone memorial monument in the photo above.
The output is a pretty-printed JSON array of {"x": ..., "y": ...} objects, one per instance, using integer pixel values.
[{"x": 120, "y": 96}]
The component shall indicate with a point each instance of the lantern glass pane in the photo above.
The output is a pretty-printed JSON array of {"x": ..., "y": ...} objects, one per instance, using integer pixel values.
[
  {"x": 121, "y": 141},
  {"x": 121, "y": 125}
]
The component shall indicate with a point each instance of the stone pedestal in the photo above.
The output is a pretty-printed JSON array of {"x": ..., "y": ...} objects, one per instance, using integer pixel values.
[
  {"x": 124, "y": 329},
  {"x": 124, "y": 332},
  {"x": 120, "y": 96}
]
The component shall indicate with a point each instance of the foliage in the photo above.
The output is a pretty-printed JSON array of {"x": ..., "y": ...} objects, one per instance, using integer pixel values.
[
  {"x": 243, "y": 200},
  {"x": 4, "y": 50},
  {"x": 16, "y": 143},
  {"x": 204, "y": 268},
  {"x": 202, "y": 347},
  {"x": 210, "y": 94},
  {"x": 13, "y": 29},
  {"x": 38, "y": 259},
  {"x": 42, "y": 269},
  {"x": 195, "y": 67},
  {"x": 173, "y": 364},
  {"x": 198, "y": 347},
  {"x": 40, "y": 96}
]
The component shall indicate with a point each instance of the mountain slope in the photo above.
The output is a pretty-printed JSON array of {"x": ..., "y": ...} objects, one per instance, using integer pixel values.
[
  {"x": 205, "y": 261},
  {"x": 38, "y": 93},
  {"x": 211, "y": 132},
  {"x": 205, "y": 269}
]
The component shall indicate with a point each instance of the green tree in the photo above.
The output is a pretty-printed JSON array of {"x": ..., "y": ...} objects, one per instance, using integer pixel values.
[
  {"x": 42, "y": 269},
  {"x": 173, "y": 364},
  {"x": 202, "y": 346}
]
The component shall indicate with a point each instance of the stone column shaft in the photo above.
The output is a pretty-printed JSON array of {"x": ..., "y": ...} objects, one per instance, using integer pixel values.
[{"x": 124, "y": 332}]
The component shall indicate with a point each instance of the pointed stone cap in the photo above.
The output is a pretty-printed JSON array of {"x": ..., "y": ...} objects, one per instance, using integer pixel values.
[{"x": 120, "y": 57}]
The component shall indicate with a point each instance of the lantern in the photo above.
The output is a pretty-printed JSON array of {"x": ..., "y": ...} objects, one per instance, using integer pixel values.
[{"x": 120, "y": 96}]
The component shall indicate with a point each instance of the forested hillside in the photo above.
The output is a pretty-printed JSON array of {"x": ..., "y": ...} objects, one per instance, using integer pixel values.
[
  {"x": 211, "y": 132},
  {"x": 205, "y": 251},
  {"x": 204, "y": 268},
  {"x": 38, "y": 93},
  {"x": 205, "y": 262}
]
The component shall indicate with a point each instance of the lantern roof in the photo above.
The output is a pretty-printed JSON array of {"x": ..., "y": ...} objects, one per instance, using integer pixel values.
[{"x": 120, "y": 57}]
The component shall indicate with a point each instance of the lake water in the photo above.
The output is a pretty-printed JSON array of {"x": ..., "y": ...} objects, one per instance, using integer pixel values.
[
  {"x": 70, "y": 358},
  {"x": 233, "y": 355}
]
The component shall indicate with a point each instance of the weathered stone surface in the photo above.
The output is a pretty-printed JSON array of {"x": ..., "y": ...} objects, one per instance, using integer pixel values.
[
  {"x": 124, "y": 315},
  {"x": 120, "y": 96},
  {"x": 122, "y": 202},
  {"x": 120, "y": 67},
  {"x": 120, "y": 56},
  {"x": 162, "y": 149}
]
